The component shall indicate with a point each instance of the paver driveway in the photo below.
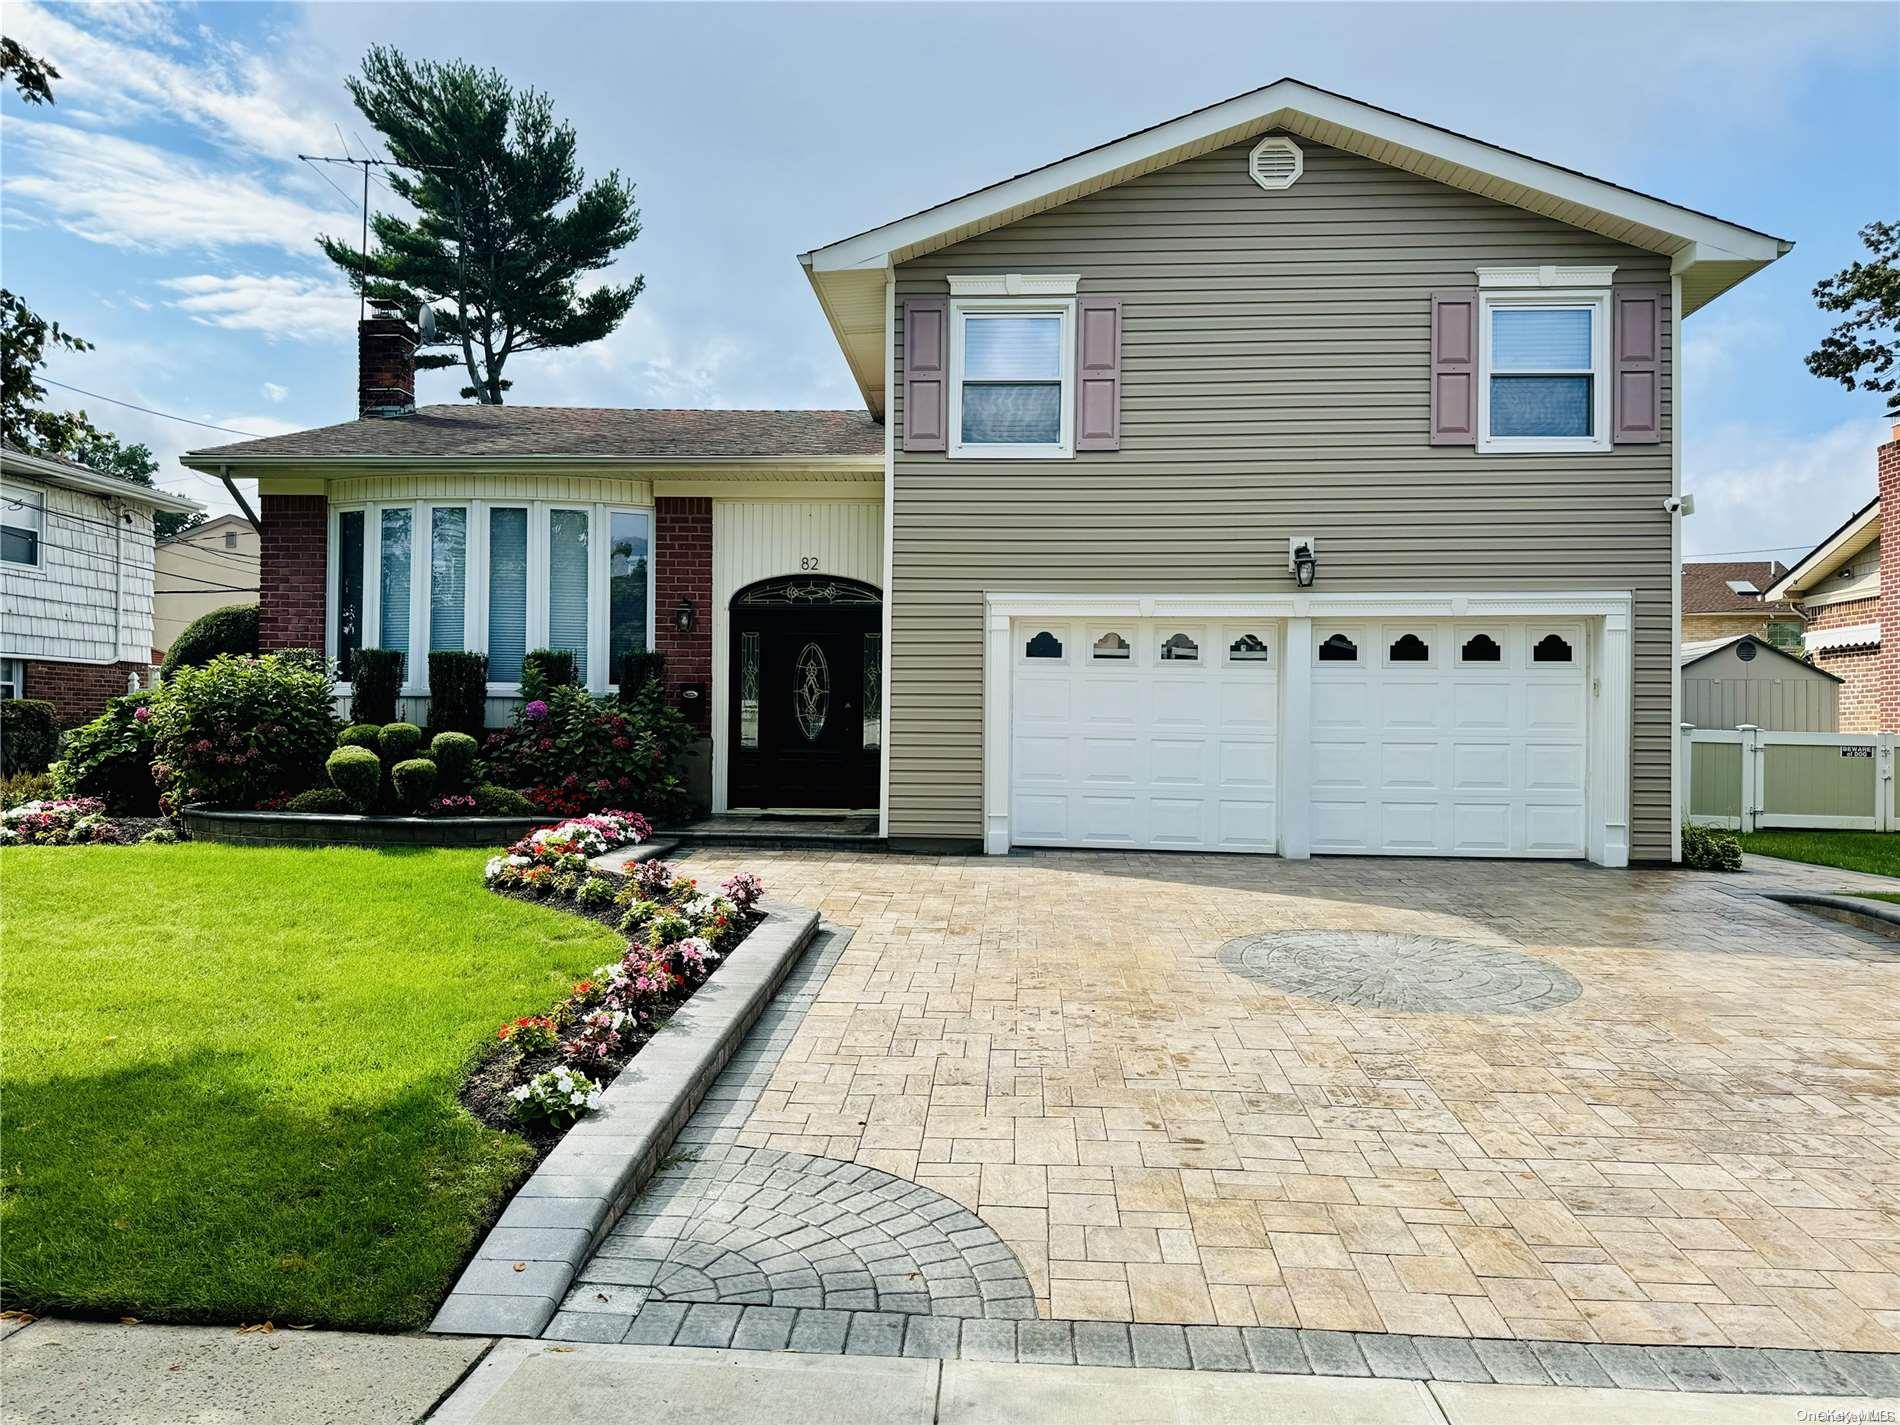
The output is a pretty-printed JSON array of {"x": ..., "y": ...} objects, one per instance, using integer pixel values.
[{"x": 1701, "y": 1147}]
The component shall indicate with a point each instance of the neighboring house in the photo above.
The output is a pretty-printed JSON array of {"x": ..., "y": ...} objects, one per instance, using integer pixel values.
[
  {"x": 1744, "y": 680},
  {"x": 1292, "y": 475},
  {"x": 211, "y": 567},
  {"x": 1723, "y": 599},
  {"x": 76, "y": 563},
  {"x": 1839, "y": 591}
]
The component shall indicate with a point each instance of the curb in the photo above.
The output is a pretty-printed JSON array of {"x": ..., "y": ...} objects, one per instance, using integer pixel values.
[
  {"x": 1881, "y": 917},
  {"x": 522, "y": 1271}
]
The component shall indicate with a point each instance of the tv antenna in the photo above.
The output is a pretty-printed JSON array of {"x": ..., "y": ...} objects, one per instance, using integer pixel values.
[{"x": 425, "y": 316}]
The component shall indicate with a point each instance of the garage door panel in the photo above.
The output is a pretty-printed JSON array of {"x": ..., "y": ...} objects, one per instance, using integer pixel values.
[
  {"x": 1245, "y": 825},
  {"x": 1110, "y": 704},
  {"x": 1108, "y": 821},
  {"x": 1246, "y": 704},
  {"x": 1178, "y": 821},
  {"x": 1481, "y": 828},
  {"x": 1042, "y": 699},
  {"x": 1554, "y": 829},
  {"x": 1178, "y": 762},
  {"x": 1340, "y": 766},
  {"x": 1481, "y": 766},
  {"x": 1040, "y": 818},
  {"x": 1180, "y": 703},
  {"x": 1406, "y": 704},
  {"x": 1409, "y": 826},
  {"x": 1554, "y": 707},
  {"x": 1247, "y": 763},
  {"x": 1551, "y": 766},
  {"x": 1115, "y": 760},
  {"x": 1341, "y": 706},
  {"x": 1409, "y": 765},
  {"x": 1041, "y": 760},
  {"x": 1342, "y": 825},
  {"x": 1481, "y": 706}
]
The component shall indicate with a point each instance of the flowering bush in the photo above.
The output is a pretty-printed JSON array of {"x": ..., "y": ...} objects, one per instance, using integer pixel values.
[
  {"x": 574, "y": 752},
  {"x": 558, "y": 1097},
  {"x": 529, "y": 1033},
  {"x": 533, "y": 862},
  {"x": 240, "y": 730},
  {"x": 72, "y": 821},
  {"x": 453, "y": 805},
  {"x": 743, "y": 890},
  {"x": 111, "y": 758}
]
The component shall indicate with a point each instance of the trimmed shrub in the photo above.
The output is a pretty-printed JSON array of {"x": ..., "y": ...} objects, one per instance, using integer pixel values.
[
  {"x": 159, "y": 836},
  {"x": 414, "y": 781},
  {"x": 398, "y": 741},
  {"x": 458, "y": 692},
  {"x": 491, "y": 800},
  {"x": 634, "y": 671},
  {"x": 359, "y": 734},
  {"x": 375, "y": 680},
  {"x": 232, "y": 629},
  {"x": 111, "y": 758},
  {"x": 25, "y": 787},
  {"x": 240, "y": 731},
  {"x": 29, "y": 735},
  {"x": 1704, "y": 848},
  {"x": 454, "y": 757},
  {"x": 319, "y": 799},
  {"x": 576, "y": 753},
  {"x": 545, "y": 669},
  {"x": 357, "y": 774}
]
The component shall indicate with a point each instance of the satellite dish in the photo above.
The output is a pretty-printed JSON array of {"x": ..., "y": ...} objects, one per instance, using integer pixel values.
[{"x": 425, "y": 322}]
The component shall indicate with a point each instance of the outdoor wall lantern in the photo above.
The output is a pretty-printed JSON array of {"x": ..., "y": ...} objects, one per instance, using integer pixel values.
[
  {"x": 1301, "y": 561},
  {"x": 685, "y": 616}
]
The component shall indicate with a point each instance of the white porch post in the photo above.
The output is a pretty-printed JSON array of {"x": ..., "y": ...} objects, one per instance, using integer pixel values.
[
  {"x": 1610, "y": 827},
  {"x": 1296, "y": 729},
  {"x": 996, "y": 670}
]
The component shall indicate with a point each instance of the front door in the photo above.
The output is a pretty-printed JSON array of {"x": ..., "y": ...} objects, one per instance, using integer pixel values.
[{"x": 807, "y": 694}]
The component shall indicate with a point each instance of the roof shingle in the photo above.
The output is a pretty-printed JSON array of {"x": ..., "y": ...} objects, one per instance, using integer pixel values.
[
  {"x": 1705, "y": 587},
  {"x": 491, "y": 432}
]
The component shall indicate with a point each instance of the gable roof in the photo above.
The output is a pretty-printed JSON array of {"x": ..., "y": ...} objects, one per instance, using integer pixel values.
[
  {"x": 1710, "y": 254},
  {"x": 1691, "y": 653},
  {"x": 1861, "y": 529},
  {"x": 517, "y": 434},
  {"x": 1705, "y": 586},
  {"x": 71, "y": 475}
]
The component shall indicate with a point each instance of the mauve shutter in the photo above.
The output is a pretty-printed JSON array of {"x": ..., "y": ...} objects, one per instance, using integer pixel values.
[
  {"x": 1455, "y": 367},
  {"x": 926, "y": 357},
  {"x": 1636, "y": 365},
  {"x": 1098, "y": 373}
]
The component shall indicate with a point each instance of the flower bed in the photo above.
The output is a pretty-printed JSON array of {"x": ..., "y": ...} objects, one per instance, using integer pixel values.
[
  {"x": 548, "y": 1070},
  {"x": 77, "y": 821}
]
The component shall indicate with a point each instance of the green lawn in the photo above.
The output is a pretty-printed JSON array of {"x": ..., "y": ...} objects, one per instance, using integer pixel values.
[
  {"x": 230, "y": 1075},
  {"x": 1877, "y": 852}
]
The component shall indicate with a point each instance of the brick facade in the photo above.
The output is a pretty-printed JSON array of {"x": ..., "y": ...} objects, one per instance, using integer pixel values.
[
  {"x": 1858, "y": 668},
  {"x": 385, "y": 364},
  {"x": 79, "y": 691},
  {"x": 1782, "y": 632},
  {"x": 292, "y": 570},
  {"x": 682, "y": 569}
]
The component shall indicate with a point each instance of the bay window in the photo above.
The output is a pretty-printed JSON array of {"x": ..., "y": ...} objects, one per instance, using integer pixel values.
[{"x": 496, "y": 577}]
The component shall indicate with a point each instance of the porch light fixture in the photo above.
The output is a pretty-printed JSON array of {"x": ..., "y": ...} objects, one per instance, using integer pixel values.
[
  {"x": 685, "y": 617},
  {"x": 1301, "y": 561}
]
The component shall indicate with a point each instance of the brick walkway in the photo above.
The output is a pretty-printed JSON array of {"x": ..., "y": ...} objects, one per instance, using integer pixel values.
[{"x": 1703, "y": 1148}]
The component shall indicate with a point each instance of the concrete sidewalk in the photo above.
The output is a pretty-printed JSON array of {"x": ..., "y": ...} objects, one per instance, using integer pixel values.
[{"x": 66, "y": 1372}]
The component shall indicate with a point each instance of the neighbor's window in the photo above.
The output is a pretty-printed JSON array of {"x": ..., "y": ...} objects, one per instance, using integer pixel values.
[
  {"x": 12, "y": 678},
  {"x": 1010, "y": 372},
  {"x": 22, "y": 522},
  {"x": 1545, "y": 385}
]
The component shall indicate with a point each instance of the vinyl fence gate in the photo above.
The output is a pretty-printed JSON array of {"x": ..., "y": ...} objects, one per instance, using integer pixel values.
[{"x": 1821, "y": 781}]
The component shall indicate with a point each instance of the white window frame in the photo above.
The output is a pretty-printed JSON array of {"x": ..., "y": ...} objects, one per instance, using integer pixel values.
[
  {"x": 475, "y": 604},
  {"x": 963, "y": 308},
  {"x": 12, "y": 677},
  {"x": 26, "y": 494},
  {"x": 1597, "y": 302}
]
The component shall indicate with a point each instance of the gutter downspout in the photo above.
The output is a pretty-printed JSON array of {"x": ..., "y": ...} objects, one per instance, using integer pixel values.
[{"x": 224, "y": 474}]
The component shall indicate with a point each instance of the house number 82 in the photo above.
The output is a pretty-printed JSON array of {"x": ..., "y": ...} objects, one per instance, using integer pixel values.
[{"x": 809, "y": 564}]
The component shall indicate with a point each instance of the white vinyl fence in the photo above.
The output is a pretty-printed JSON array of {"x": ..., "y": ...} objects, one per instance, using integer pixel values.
[{"x": 1824, "y": 781}]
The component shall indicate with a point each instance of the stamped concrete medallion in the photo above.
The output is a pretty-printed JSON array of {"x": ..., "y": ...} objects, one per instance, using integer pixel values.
[{"x": 1378, "y": 969}]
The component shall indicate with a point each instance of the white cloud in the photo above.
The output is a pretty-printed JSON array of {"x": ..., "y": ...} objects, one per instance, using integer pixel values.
[
  {"x": 1756, "y": 488},
  {"x": 274, "y": 392},
  {"x": 128, "y": 194},
  {"x": 278, "y": 305}
]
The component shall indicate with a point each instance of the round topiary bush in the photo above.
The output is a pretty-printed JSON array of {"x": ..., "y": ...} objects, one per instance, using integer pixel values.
[
  {"x": 398, "y": 741},
  {"x": 227, "y": 630},
  {"x": 359, "y": 734},
  {"x": 319, "y": 799},
  {"x": 414, "y": 781},
  {"x": 491, "y": 800},
  {"x": 454, "y": 754},
  {"x": 357, "y": 774}
]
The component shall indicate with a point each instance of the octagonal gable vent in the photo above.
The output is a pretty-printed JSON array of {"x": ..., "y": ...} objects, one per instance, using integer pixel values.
[{"x": 1276, "y": 163}]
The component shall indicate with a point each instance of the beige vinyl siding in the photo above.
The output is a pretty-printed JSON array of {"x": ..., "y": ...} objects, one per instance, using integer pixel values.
[{"x": 1275, "y": 381}]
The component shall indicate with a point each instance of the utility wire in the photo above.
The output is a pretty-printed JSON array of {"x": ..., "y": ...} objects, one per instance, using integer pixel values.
[
  {"x": 17, "y": 504},
  {"x": 162, "y": 415}
]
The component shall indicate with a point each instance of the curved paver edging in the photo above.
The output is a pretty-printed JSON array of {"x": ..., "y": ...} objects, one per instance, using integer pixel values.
[
  {"x": 525, "y": 1266},
  {"x": 1877, "y": 916},
  {"x": 290, "y": 828}
]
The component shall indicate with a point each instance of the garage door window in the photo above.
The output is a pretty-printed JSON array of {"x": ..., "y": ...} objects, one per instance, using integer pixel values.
[
  {"x": 1111, "y": 647},
  {"x": 1551, "y": 649},
  {"x": 1339, "y": 649},
  {"x": 1409, "y": 648},
  {"x": 1248, "y": 648},
  {"x": 1481, "y": 648},
  {"x": 1179, "y": 648},
  {"x": 1043, "y": 645}
]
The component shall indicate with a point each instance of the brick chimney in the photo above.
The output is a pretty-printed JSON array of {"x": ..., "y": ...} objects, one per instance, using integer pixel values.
[
  {"x": 385, "y": 363},
  {"x": 1888, "y": 464}
]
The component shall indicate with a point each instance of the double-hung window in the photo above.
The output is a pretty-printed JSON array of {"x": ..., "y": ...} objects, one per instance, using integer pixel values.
[
  {"x": 1544, "y": 371},
  {"x": 1012, "y": 373},
  {"x": 22, "y": 526}
]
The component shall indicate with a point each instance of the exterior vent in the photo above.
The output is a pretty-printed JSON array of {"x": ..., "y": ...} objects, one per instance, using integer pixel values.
[{"x": 1276, "y": 163}]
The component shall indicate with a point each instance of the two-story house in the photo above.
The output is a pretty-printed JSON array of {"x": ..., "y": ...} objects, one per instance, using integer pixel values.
[
  {"x": 1290, "y": 476},
  {"x": 76, "y": 582}
]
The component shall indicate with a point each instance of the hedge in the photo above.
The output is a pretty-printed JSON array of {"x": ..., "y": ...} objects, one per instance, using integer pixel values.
[
  {"x": 232, "y": 629},
  {"x": 458, "y": 692},
  {"x": 29, "y": 735},
  {"x": 375, "y": 680}
]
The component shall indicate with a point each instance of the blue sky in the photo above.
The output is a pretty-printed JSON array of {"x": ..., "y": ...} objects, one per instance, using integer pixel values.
[{"x": 158, "y": 209}]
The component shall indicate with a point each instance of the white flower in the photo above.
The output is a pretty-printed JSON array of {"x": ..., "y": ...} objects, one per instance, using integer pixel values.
[
  {"x": 521, "y": 1092},
  {"x": 593, "y": 1099}
]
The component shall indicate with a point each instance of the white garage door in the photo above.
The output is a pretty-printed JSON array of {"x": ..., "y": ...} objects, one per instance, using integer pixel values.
[
  {"x": 1452, "y": 738},
  {"x": 1144, "y": 733}
]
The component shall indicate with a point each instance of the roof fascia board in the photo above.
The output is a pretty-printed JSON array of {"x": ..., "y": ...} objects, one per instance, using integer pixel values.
[
  {"x": 1268, "y": 108},
  {"x": 1826, "y": 556},
  {"x": 54, "y": 472},
  {"x": 318, "y": 465}
]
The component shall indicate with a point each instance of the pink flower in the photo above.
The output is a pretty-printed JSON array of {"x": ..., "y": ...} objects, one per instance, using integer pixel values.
[
  {"x": 142, "y": 714},
  {"x": 535, "y": 711}
]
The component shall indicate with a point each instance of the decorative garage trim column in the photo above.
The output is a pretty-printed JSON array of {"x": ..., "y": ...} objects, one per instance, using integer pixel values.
[{"x": 1608, "y": 612}]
